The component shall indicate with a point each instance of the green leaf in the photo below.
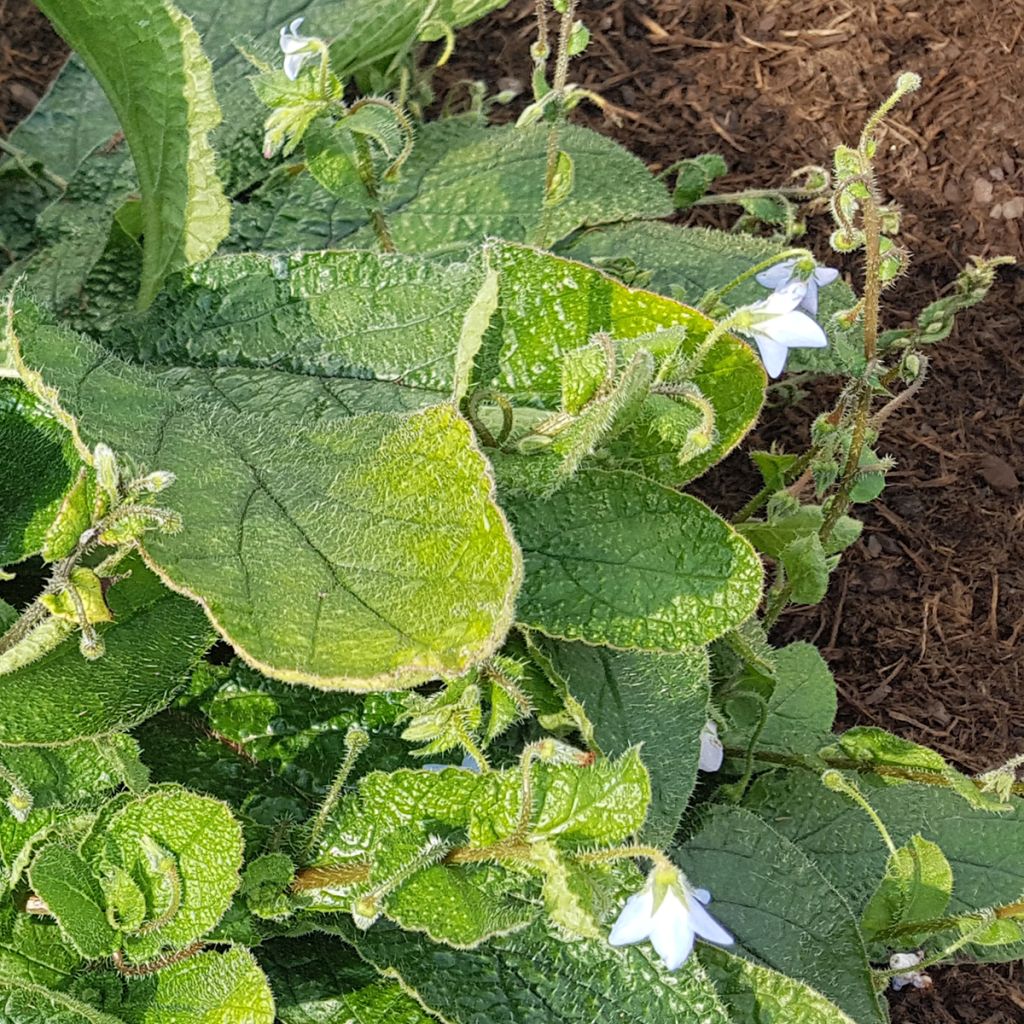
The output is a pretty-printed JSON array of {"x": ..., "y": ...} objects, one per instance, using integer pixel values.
[
  {"x": 614, "y": 559},
  {"x": 331, "y": 158},
  {"x": 208, "y": 988},
  {"x": 870, "y": 747},
  {"x": 437, "y": 205},
  {"x": 774, "y": 536},
  {"x": 755, "y": 993},
  {"x": 551, "y": 306},
  {"x": 372, "y": 32},
  {"x": 917, "y": 885},
  {"x": 806, "y": 568},
  {"x": 572, "y": 803},
  {"x": 801, "y": 703},
  {"x": 27, "y": 1003},
  {"x": 319, "y": 980},
  {"x": 61, "y": 782},
  {"x": 33, "y": 951},
  {"x": 687, "y": 263},
  {"x": 157, "y": 63},
  {"x": 533, "y": 978},
  {"x": 312, "y": 548},
  {"x": 69, "y": 887},
  {"x": 155, "y": 639},
  {"x": 346, "y": 319},
  {"x": 462, "y": 906},
  {"x": 983, "y": 849},
  {"x": 37, "y": 467},
  {"x": 657, "y": 700},
  {"x": 781, "y": 909},
  {"x": 203, "y": 843},
  {"x": 694, "y": 178}
]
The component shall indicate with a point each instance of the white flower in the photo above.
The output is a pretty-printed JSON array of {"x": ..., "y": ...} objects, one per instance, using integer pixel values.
[
  {"x": 801, "y": 271},
  {"x": 669, "y": 913},
  {"x": 711, "y": 752},
  {"x": 297, "y": 48},
  {"x": 776, "y": 326},
  {"x": 899, "y": 961}
]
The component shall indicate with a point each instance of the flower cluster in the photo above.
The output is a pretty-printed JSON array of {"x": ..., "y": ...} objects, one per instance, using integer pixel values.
[{"x": 776, "y": 323}]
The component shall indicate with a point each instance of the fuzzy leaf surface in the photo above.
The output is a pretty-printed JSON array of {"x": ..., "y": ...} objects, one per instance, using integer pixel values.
[
  {"x": 617, "y": 560},
  {"x": 319, "y": 980},
  {"x": 659, "y": 700},
  {"x": 550, "y": 306},
  {"x": 332, "y": 554},
  {"x": 154, "y": 641},
  {"x": 157, "y": 64},
  {"x": 760, "y": 883},
  {"x": 533, "y": 978}
]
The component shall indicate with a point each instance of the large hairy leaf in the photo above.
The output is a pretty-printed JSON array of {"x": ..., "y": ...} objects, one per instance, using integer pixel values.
[
  {"x": 464, "y": 183},
  {"x": 658, "y": 700},
  {"x": 147, "y": 56},
  {"x": 533, "y": 978},
  {"x": 615, "y": 559},
  {"x": 364, "y": 554},
  {"x": 983, "y": 849},
  {"x": 320, "y": 980},
  {"x": 781, "y": 909}
]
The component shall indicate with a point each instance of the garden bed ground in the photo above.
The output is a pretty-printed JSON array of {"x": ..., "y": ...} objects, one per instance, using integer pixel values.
[{"x": 924, "y": 624}]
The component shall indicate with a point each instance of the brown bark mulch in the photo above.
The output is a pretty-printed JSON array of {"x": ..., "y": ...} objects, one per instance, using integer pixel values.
[{"x": 924, "y": 621}]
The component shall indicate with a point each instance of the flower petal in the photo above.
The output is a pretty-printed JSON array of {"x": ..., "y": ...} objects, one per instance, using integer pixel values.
[
  {"x": 810, "y": 299},
  {"x": 672, "y": 936},
  {"x": 634, "y": 921},
  {"x": 703, "y": 895},
  {"x": 773, "y": 354},
  {"x": 711, "y": 750},
  {"x": 293, "y": 64},
  {"x": 778, "y": 276},
  {"x": 706, "y": 926},
  {"x": 825, "y": 275},
  {"x": 794, "y": 330}
]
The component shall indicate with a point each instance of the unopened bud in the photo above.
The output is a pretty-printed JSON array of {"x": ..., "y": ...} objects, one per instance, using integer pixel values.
[
  {"x": 107, "y": 475},
  {"x": 158, "y": 481}
]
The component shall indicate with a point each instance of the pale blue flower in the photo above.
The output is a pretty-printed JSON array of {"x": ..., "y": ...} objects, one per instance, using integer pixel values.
[
  {"x": 776, "y": 326},
  {"x": 669, "y": 913},
  {"x": 799, "y": 271},
  {"x": 906, "y": 962}
]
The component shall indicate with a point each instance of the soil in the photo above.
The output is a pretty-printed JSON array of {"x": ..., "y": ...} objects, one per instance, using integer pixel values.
[{"x": 924, "y": 621}]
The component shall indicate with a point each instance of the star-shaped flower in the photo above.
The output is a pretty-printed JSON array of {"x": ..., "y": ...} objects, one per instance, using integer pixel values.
[
  {"x": 799, "y": 271},
  {"x": 669, "y": 913},
  {"x": 296, "y": 48},
  {"x": 776, "y": 326},
  {"x": 711, "y": 751}
]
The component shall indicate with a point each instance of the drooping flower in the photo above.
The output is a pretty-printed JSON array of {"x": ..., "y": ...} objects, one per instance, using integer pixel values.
[
  {"x": 296, "y": 48},
  {"x": 900, "y": 961},
  {"x": 776, "y": 326},
  {"x": 711, "y": 750},
  {"x": 669, "y": 913},
  {"x": 800, "y": 271}
]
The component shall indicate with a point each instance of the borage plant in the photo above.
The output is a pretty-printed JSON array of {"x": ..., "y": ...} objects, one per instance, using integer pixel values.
[{"x": 363, "y": 656}]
